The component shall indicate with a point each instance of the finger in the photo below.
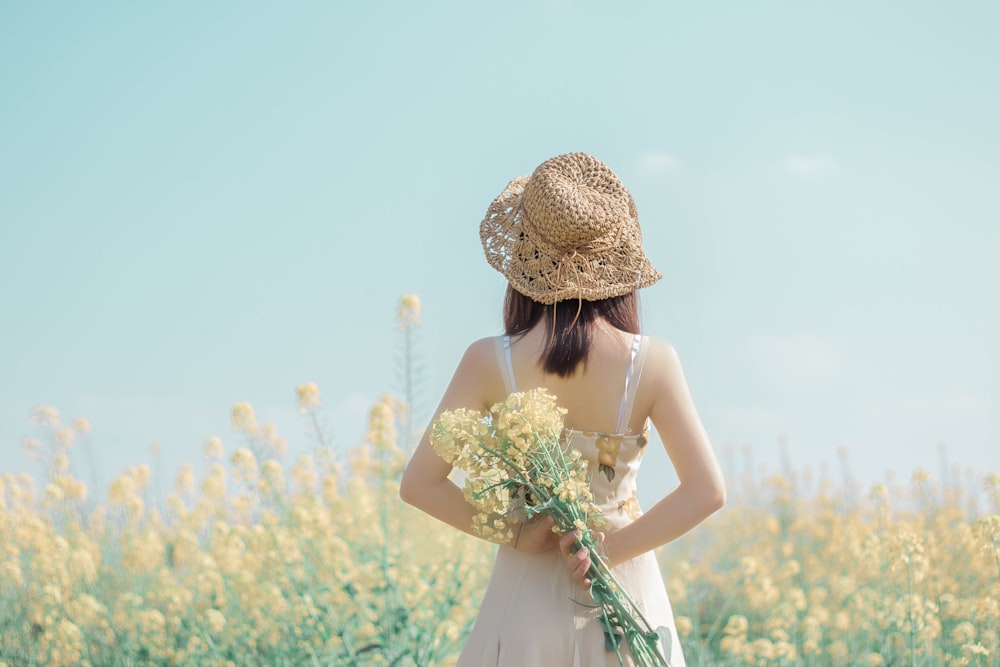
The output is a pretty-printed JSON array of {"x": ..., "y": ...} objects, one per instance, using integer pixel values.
[
  {"x": 566, "y": 544},
  {"x": 578, "y": 559},
  {"x": 582, "y": 567}
]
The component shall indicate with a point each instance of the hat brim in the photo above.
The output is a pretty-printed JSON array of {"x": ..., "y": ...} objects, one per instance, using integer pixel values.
[{"x": 549, "y": 275}]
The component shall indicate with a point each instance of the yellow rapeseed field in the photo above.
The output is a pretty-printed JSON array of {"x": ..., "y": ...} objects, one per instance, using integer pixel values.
[
  {"x": 253, "y": 564},
  {"x": 317, "y": 562}
]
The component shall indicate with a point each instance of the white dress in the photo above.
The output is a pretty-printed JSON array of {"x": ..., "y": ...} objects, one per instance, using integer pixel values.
[{"x": 529, "y": 616}]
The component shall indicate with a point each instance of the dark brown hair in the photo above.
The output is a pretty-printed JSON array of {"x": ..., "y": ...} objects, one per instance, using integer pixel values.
[{"x": 570, "y": 343}]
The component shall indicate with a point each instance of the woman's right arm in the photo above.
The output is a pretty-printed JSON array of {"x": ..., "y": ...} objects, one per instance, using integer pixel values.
[{"x": 425, "y": 483}]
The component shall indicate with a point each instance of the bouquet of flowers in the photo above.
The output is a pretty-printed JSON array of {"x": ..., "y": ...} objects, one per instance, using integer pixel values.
[{"x": 518, "y": 467}]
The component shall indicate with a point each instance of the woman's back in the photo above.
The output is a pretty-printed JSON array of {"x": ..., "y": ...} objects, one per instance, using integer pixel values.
[{"x": 592, "y": 396}]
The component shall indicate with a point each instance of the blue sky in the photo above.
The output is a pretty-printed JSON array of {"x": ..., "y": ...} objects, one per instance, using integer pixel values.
[{"x": 208, "y": 203}]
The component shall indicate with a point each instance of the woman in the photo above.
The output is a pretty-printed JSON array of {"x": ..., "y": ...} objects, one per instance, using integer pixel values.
[{"x": 567, "y": 239}]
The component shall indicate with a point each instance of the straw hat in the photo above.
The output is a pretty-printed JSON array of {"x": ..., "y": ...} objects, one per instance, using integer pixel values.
[{"x": 570, "y": 230}]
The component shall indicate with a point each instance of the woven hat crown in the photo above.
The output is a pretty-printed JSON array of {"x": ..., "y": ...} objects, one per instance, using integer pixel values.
[
  {"x": 570, "y": 230},
  {"x": 574, "y": 201}
]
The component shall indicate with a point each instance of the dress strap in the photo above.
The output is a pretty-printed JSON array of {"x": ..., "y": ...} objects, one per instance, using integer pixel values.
[
  {"x": 637, "y": 357},
  {"x": 502, "y": 345}
]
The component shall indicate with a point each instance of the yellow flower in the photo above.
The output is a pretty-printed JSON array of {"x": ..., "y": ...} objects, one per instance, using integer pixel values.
[
  {"x": 963, "y": 633},
  {"x": 273, "y": 474},
  {"x": 907, "y": 551},
  {"x": 53, "y": 494},
  {"x": 44, "y": 415},
  {"x": 408, "y": 314},
  {"x": 789, "y": 569},
  {"x": 991, "y": 483},
  {"x": 64, "y": 436},
  {"x": 212, "y": 449},
  {"x": 974, "y": 652},
  {"x": 122, "y": 488},
  {"x": 761, "y": 651},
  {"x": 733, "y": 645},
  {"x": 331, "y": 489},
  {"x": 213, "y": 486},
  {"x": 381, "y": 428},
  {"x": 32, "y": 447},
  {"x": 184, "y": 481},
  {"x": 304, "y": 473},
  {"x": 243, "y": 417},
  {"x": 736, "y": 626},
  {"x": 269, "y": 435},
  {"x": 216, "y": 621},
  {"x": 60, "y": 463},
  {"x": 785, "y": 650},
  {"x": 307, "y": 396},
  {"x": 244, "y": 459},
  {"x": 838, "y": 651},
  {"x": 987, "y": 531}
]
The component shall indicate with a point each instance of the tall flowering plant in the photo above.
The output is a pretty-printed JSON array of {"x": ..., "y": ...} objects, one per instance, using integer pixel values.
[{"x": 518, "y": 467}]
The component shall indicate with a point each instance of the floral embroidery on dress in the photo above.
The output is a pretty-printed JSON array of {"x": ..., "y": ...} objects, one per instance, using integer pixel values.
[
  {"x": 608, "y": 447},
  {"x": 631, "y": 507}
]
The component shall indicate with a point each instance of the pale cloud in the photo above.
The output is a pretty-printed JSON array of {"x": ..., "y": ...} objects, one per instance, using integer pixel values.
[
  {"x": 657, "y": 162},
  {"x": 798, "y": 359},
  {"x": 810, "y": 165}
]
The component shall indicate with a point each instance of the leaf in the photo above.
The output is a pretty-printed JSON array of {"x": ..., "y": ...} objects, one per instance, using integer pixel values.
[
  {"x": 612, "y": 640},
  {"x": 584, "y": 604}
]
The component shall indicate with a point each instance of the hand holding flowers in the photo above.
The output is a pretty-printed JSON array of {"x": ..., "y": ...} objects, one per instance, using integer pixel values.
[
  {"x": 578, "y": 562},
  {"x": 536, "y": 536}
]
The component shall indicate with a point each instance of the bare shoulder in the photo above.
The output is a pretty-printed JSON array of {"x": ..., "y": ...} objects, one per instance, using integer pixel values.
[
  {"x": 478, "y": 363},
  {"x": 661, "y": 354},
  {"x": 480, "y": 353},
  {"x": 662, "y": 372},
  {"x": 477, "y": 380}
]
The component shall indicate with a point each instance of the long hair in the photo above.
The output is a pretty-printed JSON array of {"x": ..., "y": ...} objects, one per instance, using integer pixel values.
[{"x": 569, "y": 343}]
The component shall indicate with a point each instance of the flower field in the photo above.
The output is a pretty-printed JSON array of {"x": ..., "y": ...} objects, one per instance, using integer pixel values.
[{"x": 316, "y": 561}]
